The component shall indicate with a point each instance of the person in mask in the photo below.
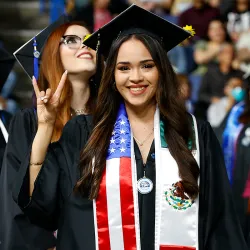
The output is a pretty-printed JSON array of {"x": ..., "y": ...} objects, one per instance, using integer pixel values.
[{"x": 234, "y": 93}]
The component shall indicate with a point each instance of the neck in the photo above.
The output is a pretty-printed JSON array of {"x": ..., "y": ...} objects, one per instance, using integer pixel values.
[
  {"x": 225, "y": 68},
  {"x": 141, "y": 115},
  {"x": 81, "y": 91}
]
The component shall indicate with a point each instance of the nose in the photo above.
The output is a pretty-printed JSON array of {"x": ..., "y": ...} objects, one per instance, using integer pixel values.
[{"x": 136, "y": 76}]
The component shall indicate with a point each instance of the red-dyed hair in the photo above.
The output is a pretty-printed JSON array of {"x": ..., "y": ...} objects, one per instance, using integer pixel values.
[{"x": 51, "y": 70}]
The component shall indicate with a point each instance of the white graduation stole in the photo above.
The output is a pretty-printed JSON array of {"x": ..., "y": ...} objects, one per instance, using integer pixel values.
[{"x": 116, "y": 211}]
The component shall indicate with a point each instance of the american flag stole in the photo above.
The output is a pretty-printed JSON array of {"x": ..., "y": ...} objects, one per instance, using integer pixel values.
[{"x": 116, "y": 211}]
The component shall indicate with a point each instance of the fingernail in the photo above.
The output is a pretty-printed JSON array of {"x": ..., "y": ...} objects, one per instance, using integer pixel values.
[
  {"x": 33, "y": 78},
  {"x": 66, "y": 72}
]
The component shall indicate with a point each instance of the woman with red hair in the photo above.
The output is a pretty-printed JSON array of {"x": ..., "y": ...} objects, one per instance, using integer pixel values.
[{"x": 64, "y": 54}]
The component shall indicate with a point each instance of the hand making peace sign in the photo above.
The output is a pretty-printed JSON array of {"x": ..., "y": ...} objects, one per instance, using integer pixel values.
[{"x": 47, "y": 102}]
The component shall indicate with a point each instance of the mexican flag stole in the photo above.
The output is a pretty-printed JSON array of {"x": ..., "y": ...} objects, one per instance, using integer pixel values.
[{"x": 116, "y": 211}]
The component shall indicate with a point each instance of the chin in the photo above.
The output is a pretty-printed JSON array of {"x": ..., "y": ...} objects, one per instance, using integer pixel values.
[
  {"x": 80, "y": 70},
  {"x": 136, "y": 104}
]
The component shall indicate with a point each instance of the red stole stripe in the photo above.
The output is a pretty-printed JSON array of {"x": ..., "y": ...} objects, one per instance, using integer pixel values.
[
  {"x": 127, "y": 204},
  {"x": 102, "y": 216},
  {"x": 169, "y": 247}
]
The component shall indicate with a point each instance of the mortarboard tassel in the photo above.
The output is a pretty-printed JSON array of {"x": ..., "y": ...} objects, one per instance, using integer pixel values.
[{"x": 36, "y": 58}]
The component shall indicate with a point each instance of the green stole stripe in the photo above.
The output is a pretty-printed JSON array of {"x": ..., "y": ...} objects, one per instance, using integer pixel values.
[{"x": 163, "y": 141}]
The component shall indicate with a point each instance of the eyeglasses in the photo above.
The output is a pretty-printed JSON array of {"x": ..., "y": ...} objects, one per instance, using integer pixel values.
[{"x": 72, "y": 41}]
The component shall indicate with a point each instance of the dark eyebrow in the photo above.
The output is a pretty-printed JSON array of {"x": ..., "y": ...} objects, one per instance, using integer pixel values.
[{"x": 144, "y": 61}]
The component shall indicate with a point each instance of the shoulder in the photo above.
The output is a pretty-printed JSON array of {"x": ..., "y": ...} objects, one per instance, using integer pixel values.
[
  {"x": 204, "y": 130},
  {"x": 26, "y": 113},
  {"x": 25, "y": 117},
  {"x": 203, "y": 125},
  {"x": 77, "y": 122}
]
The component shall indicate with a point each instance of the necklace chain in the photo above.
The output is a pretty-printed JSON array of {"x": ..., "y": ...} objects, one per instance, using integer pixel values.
[
  {"x": 141, "y": 143},
  {"x": 78, "y": 111}
]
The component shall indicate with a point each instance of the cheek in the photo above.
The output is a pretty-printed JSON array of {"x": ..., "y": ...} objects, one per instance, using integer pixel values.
[
  {"x": 153, "y": 77},
  {"x": 66, "y": 56},
  {"x": 120, "y": 79}
]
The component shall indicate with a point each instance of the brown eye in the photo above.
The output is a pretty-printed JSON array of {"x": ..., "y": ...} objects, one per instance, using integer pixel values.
[
  {"x": 148, "y": 66},
  {"x": 123, "y": 68}
]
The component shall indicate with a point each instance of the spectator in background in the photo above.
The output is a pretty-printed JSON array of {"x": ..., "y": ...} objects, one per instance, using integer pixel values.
[
  {"x": 98, "y": 12},
  {"x": 238, "y": 20},
  {"x": 206, "y": 51},
  {"x": 180, "y": 6},
  {"x": 242, "y": 60},
  {"x": 199, "y": 16},
  {"x": 234, "y": 93},
  {"x": 213, "y": 82}
]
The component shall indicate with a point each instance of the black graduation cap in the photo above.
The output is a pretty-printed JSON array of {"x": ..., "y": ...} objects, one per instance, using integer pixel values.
[
  {"x": 136, "y": 20},
  {"x": 6, "y": 64},
  {"x": 29, "y": 56}
]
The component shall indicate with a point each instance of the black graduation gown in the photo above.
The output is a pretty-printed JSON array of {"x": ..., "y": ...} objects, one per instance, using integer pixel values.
[
  {"x": 54, "y": 205},
  {"x": 16, "y": 232},
  {"x": 240, "y": 176}
]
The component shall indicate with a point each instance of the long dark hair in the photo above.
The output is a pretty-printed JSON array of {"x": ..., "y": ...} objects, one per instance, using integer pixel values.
[{"x": 178, "y": 128}]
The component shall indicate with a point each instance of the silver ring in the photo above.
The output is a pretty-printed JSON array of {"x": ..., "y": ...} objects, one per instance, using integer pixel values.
[{"x": 43, "y": 97}]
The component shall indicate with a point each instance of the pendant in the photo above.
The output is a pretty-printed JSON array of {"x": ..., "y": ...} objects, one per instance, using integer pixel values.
[{"x": 144, "y": 185}]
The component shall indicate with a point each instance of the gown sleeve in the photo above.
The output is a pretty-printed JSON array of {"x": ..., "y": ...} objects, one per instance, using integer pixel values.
[
  {"x": 218, "y": 223},
  {"x": 43, "y": 208},
  {"x": 16, "y": 231}
]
